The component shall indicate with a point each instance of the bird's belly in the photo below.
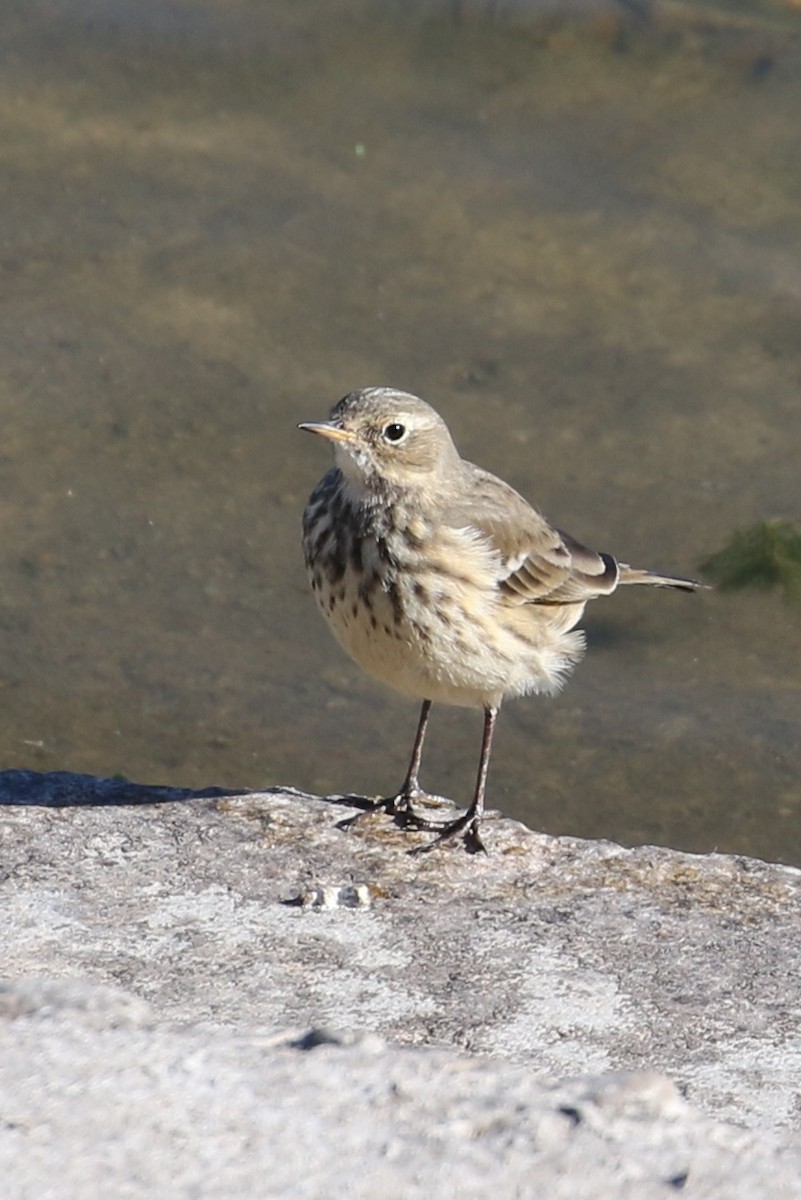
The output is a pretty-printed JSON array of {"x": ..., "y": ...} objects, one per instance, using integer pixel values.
[{"x": 457, "y": 645}]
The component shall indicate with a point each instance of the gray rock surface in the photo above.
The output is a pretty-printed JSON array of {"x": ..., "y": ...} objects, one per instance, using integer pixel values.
[{"x": 169, "y": 955}]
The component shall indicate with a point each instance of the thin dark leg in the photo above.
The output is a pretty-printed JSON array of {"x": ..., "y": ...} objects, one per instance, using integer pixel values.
[
  {"x": 411, "y": 786},
  {"x": 470, "y": 820},
  {"x": 400, "y": 805}
]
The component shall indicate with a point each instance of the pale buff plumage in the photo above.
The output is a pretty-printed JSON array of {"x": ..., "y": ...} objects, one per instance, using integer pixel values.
[{"x": 439, "y": 579}]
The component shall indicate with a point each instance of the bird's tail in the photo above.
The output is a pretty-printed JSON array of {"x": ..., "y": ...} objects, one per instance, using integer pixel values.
[{"x": 634, "y": 575}]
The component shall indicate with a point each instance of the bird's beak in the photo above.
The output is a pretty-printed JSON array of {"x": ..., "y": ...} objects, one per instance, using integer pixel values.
[{"x": 328, "y": 429}]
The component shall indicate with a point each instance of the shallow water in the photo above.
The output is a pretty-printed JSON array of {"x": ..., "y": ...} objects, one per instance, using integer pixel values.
[{"x": 579, "y": 238}]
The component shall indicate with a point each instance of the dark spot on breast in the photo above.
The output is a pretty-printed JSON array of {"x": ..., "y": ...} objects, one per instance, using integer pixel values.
[
  {"x": 335, "y": 505},
  {"x": 443, "y": 615},
  {"x": 393, "y": 591},
  {"x": 383, "y": 551},
  {"x": 334, "y": 563},
  {"x": 367, "y": 589}
]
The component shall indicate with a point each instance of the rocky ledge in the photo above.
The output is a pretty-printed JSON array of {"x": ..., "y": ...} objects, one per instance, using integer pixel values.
[{"x": 213, "y": 994}]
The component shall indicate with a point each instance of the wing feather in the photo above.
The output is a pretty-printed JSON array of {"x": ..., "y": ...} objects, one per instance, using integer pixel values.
[{"x": 537, "y": 564}]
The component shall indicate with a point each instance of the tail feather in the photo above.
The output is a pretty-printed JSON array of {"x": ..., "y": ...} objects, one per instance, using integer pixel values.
[{"x": 652, "y": 579}]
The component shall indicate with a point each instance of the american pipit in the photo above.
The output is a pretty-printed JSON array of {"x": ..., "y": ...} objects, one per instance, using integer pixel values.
[{"x": 441, "y": 580}]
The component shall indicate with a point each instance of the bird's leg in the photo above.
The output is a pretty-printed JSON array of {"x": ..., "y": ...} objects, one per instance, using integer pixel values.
[
  {"x": 470, "y": 820},
  {"x": 400, "y": 805}
]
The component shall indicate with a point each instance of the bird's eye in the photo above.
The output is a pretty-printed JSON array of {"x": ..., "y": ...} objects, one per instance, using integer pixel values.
[{"x": 394, "y": 432}]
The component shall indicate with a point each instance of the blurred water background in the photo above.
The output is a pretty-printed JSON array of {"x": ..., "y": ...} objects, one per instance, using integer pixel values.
[{"x": 574, "y": 228}]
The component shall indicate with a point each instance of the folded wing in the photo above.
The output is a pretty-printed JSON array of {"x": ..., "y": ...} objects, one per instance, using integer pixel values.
[{"x": 538, "y": 564}]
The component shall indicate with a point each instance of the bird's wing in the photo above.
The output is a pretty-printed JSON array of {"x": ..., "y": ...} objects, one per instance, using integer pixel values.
[{"x": 536, "y": 563}]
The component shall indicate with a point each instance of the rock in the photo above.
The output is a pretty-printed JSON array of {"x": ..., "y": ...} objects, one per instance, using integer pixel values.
[
  {"x": 76, "y": 1001},
  {"x": 206, "y": 991}
]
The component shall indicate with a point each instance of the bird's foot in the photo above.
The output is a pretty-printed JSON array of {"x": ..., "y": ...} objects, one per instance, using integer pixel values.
[
  {"x": 467, "y": 825},
  {"x": 400, "y": 807}
]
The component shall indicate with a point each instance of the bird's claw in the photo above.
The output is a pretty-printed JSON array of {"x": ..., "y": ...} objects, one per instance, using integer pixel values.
[
  {"x": 400, "y": 808},
  {"x": 467, "y": 825}
]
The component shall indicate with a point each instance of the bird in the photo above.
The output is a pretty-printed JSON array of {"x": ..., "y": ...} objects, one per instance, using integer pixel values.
[{"x": 442, "y": 581}]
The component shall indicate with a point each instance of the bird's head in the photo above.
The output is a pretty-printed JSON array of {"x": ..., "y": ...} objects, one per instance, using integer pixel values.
[{"x": 381, "y": 435}]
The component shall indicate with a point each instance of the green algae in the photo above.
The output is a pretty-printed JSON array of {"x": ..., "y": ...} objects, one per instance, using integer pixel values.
[{"x": 766, "y": 555}]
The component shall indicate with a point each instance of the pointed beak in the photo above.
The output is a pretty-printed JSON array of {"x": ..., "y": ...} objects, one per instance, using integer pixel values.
[{"x": 328, "y": 429}]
